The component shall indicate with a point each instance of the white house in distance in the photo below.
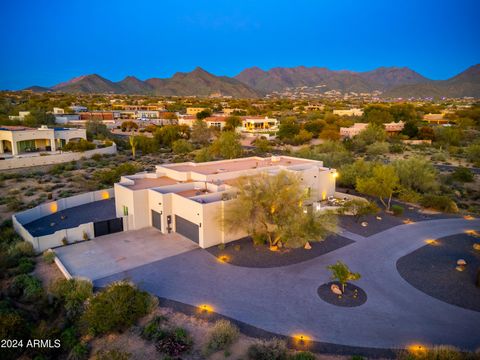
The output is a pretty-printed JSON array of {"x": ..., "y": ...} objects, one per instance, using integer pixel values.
[
  {"x": 357, "y": 128},
  {"x": 16, "y": 140},
  {"x": 188, "y": 198},
  {"x": 21, "y": 115}
]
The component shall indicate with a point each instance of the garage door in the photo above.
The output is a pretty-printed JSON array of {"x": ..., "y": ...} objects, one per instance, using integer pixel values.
[
  {"x": 156, "y": 220},
  {"x": 186, "y": 228}
]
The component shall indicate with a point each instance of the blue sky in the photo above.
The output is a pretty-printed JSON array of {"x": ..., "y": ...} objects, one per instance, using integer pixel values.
[{"x": 48, "y": 41}]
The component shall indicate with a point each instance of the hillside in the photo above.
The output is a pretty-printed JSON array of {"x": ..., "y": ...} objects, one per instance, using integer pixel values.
[
  {"x": 196, "y": 83},
  {"x": 465, "y": 84}
]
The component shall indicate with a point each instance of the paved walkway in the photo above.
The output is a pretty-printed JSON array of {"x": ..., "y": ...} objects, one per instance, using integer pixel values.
[
  {"x": 119, "y": 252},
  {"x": 284, "y": 300}
]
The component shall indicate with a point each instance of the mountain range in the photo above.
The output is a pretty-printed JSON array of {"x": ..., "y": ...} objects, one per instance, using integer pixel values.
[{"x": 255, "y": 82}]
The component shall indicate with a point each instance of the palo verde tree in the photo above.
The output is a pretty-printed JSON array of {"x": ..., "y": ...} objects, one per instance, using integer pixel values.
[
  {"x": 271, "y": 209},
  {"x": 342, "y": 273},
  {"x": 382, "y": 183}
]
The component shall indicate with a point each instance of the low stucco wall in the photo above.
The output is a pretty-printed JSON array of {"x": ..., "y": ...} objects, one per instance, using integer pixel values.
[
  {"x": 41, "y": 243},
  {"x": 37, "y": 160}
]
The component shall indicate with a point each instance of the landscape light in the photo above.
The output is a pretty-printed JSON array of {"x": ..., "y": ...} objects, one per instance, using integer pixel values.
[
  {"x": 223, "y": 258},
  {"x": 205, "y": 308},
  {"x": 53, "y": 207},
  {"x": 105, "y": 195}
]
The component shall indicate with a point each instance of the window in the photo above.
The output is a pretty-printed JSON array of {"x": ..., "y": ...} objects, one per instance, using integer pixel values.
[{"x": 125, "y": 210}]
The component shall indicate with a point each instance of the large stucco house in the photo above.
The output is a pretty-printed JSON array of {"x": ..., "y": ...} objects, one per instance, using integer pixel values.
[
  {"x": 15, "y": 140},
  {"x": 189, "y": 198}
]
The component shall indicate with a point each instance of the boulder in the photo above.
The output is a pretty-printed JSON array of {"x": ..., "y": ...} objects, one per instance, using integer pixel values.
[
  {"x": 379, "y": 218},
  {"x": 460, "y": 268},
  {"x": 364, "y": 224},
  {"x": 461, "y": 262},
  {"x": 476, "y": 246},
  {"x": 307, "y": 246},
  {"x": 336, "y": 289}
]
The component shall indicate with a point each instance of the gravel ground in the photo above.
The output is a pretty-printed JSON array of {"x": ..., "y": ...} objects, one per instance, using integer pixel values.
[
  {"x": 348, "y": 298},
  {"x": 244, "y": 253},
  {"x": 431, "y": 269},
  {"x": 410, "y": 213},
  {"x": 73, "y": 217}
]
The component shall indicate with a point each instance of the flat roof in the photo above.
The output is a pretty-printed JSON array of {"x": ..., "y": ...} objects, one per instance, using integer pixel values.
[
  {"x": 222, "y": 166},
  {"x": 73, "y": 217},
  {"x": 147, "y": 183}
]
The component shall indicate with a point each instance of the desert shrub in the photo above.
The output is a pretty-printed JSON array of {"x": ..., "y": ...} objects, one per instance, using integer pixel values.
[
  {"x": 174, "y": 342},
  {"x": 397, "y": 210},
  {"x": 96, "y": 157},
  {"x": 79, "y": 352},
  {"x": 25, "y": 265},
  {"x": 23, "y": 248},
  {"x": 378, "y": 148},
  {"x": 26, "y": 288},
  {"x": 302, "y": 355},
  {"x": 396, "y": 148},
  {"x": 155, "y": 329},
  {"x": 72, "y": 293},
  {"x": 116, "y": 308},
  {"x": 85, "y": 236},
  {"x": 79, "y": 146},
  {"x": 274, "y": 349},
  {"x": 109, "y": 177},
  {"x": 181, "y": 146},
  {"x": 113, "y": 354},
  {"x": 357, "y": 357},
  {"x": 439, "y": 202},
  {"x": 462, "y": 174},
  {"x": 69, "y": 337},
  {"x": 221, "y": 336},
  {"x": 435, "y": 353},
  {"x": 438, "y": 157}
]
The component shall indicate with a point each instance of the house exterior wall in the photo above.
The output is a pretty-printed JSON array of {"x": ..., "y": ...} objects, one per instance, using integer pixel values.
[{"x": 207, "y": 208}]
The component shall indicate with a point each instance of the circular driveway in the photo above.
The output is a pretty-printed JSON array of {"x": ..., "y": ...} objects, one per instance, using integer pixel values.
[{"x": 284, "y": 300}]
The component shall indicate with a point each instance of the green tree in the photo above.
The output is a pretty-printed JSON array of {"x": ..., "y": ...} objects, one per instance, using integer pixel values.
[
  {"x": 96, "y": 130},
  {"x": 377, "y": 115},
  {"x": 342, "y": 274},
  {"x": 359, "y": 208},
  {"x": 129, "y": 126},
  {"x": 167, "y": 134},
  {"x": 378, "y": 148},
  {"x": 270, "y": 208},
  {"x": 227, "y": 146},
  {"x": 351, "y": 172},
  {"x": 288, "y": 129},
  {"x": 382, "y": 184},
  {"x": 417, "y": 174},
  {"x": 410, "y": 129},
  {"x": 232, "y": 122},
  {"x": 204, "y": 114},
  {"x": 372, "y": 134},
  {"x": 201, "y": 133}
]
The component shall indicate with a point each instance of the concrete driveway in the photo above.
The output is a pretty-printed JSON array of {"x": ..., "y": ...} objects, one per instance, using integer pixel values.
[
  {"x": 119, "y": 252},
  {"x": 284, "y": 300}
]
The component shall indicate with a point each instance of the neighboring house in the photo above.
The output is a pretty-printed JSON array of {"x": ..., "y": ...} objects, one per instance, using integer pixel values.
[
  {"x": 19, "y": 139},
  {"x": 357, "y": 128},
  {"x": 57, "y": 111},
  {"x": 21, "y": 115},
  {"x": 195, "y": 110},
  {"x": 350, "y": 112},
  {"x": 78, "y": 108},
  {"x": 66, "y": 118},
  {"x": 189, "y": 198},
  {"x": 435, "y": 118},
  {"x": 97, "y": 115},
  {"x": 259, "y": 124},
  {"x": 212, "y": 121}
]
